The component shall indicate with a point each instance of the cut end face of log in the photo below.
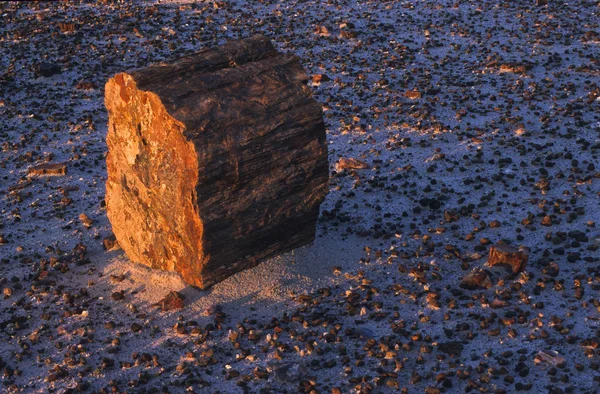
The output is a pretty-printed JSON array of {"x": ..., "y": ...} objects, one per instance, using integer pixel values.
[
  {"x": 216, "y": 161},
  {"x": 150, "y": 193}
]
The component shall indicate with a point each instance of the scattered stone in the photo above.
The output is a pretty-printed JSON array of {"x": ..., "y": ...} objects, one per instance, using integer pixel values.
[
  {"x": 118, "y": 296},
  {"x": 46, "y": 69},
  {"x": 117, "y": 278},
  {"x": 289, "y": 372},
  {"x": 85, "y": 220},
  {"x": 476, "y": 279},
  {"x": 481, "y": 155},
  {"x": 66, "y": 27},
  {"x": 48, "y": 169},
  {"x": 516, "y": 258},
  {"x": 170, "y": 302},
  {"x": 317, "y": 79},
  {"x": 550, "y": 358},
  {"x": 451, "y": 348},
  {"x": 110, "y": 243},
  {"x": 412, "y": 94},
  {"x": 321, "y": 31},
  {"x": 351, "y": 164},
  {"x": 578, "y": 236},
  {"x": 86, "y": 85}
]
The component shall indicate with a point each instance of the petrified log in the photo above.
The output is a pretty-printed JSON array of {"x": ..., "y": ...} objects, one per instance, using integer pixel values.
[
  {"x": 516, "y": 258},
  {"x": 217, "y": 160}
]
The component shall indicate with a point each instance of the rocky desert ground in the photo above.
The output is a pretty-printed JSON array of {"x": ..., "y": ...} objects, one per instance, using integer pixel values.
[{"x": 452, "y": 126}]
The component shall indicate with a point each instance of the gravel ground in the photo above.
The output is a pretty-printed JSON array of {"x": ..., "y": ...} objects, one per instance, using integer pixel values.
[{"x": 474, "y": 123}]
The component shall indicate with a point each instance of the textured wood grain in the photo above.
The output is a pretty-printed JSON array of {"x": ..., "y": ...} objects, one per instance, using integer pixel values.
[{"x": 216, "y": 161}]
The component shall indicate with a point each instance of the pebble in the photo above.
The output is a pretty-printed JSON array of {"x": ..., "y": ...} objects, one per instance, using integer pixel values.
[
  {"x": 475, "y": 279},
  {"x": 46, "y": 69},
  {"x": 48, "y": 169},
  {"x": 118, "y": 296},
  {"x": 172, "y": 301}
]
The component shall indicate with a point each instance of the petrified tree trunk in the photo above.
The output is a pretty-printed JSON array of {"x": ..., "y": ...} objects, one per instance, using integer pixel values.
[
  {"x": 217, "y": 160},
  {"x": 505, "y": 254}
]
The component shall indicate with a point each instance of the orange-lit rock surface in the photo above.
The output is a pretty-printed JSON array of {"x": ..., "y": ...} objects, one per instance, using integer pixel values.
[{"x": 216, "y": 161}]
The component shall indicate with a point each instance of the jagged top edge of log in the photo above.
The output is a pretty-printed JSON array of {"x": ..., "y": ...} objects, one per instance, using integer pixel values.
[
  {"x": 209, "y": 69},
  {"x": 231, "y": 54}
]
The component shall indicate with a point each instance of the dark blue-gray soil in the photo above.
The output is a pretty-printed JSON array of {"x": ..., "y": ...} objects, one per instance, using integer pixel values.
[{"x": 470, "y": 123}]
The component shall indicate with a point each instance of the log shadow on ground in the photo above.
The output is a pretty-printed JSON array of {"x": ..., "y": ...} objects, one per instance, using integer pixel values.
[{"x": 262, "y": 291}]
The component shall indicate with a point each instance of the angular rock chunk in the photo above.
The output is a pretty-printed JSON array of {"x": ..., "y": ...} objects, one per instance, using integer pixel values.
[
  {"x": 506, "y": 254},
  {"x": 48, "y": 169},
  {"x": 476, "y": 279},
  {"x": 171, "y": 301},
  {"x": 217, "y": 160}
]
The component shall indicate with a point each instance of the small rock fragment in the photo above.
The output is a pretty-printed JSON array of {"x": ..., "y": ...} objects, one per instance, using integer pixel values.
[
  {"x": 117, "y": 296},
  {"x": 66, "y": 27},
  {"x": 321, "y": 31},
  {"x": 110, "y": 243},
  {"x": 86, "y": 85},
  {"x": 172, "y": 301},
  {"x": 48, "y": 169},
  {"x": 451, "y": 348},
  {"x": 318, "y": 78},
  {"x": 475, "y": 279},
  {"x": 117, "y": 278},
  {"x": 412, "y": 94},
  {"x": 506, "y": 254},
  {"x": 46, "y": 69},
  {"x": 85, "y": 220},
  {"x": 351, "y": 164},
  {"x": 288, "y": 372},
  {"x": 578, "y": 236},
  {"x": 548, "y": 358}
]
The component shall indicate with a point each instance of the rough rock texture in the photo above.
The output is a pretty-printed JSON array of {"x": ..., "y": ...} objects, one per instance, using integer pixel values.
[
  {"x": 216, "y": 161},
  {"x": 506, "y": 254}
]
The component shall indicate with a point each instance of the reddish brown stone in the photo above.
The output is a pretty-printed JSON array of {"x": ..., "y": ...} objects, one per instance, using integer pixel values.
[
  {"x": 516, "y": 258},
  {"x": 110, "y": 243},
  {"x": 172, "y": 301},
  {"x": 49, "y": 169},
  {"x": 351, "y": 164},
  {"x": 318, "y": 78},
  {"x": 86, "y": 85},
  {"x": 216, "y": 161},
  {"x": 476, "y": 279},
  {"x": 412, "y": 94},
  {"x": 66, "y": 27}
]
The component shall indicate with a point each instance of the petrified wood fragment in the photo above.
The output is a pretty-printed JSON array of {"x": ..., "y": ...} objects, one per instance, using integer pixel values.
[
  {"x": 516, "y": 258},
  {"x": 217, "y": 160},
  {"x": 48, "y": 169}
]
